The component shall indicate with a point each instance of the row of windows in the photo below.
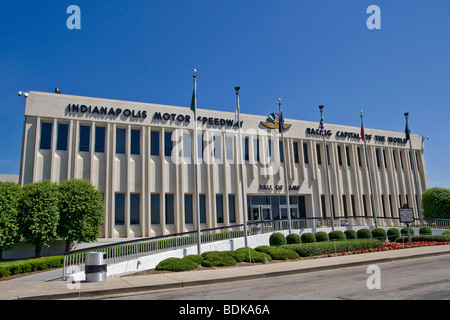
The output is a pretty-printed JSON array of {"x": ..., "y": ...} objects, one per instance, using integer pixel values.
[
  {"x": 169, "y": 210},
  {"x": 135, "y": 144},
  {"x": 365, "y": 203}
]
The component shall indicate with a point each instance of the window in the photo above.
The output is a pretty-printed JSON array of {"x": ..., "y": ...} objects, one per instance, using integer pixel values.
[
  {"x": 100, "y": 139},
  {"x": 229, "y": 146},
  {"x": 359, "y": 156},
  {"x": 246, "y": 149},
  {"x": 200, "y": 146},
  {"x": 188, "y": 209},
  {"x": 154, "y": 136},
  {"x": 231, "y": 208},
  {"x": 119, "y": 205},
  {"x": 85, "y": 137},
  {"x": 347, "y": 151},
  {"x": 353, "y": 205},
  {"x": 120, "y": 141},
  {"x": 281, "y": 151},
  {"x": 305, "y": 153},
  {"x": 219, "y": 208},
  {"x": 270, "y": 149},
  {"x": 135, "y": 141},
  {"x": 296, "y": 157},
  {"x": 256, "y": 149},
  {"x": 155, "y": 208},
  {"x": 319, "y": 157},
  {"x": 135, "y": 208},
  {"x": 217, "y": 148},
  {"x": 365, "y": 205},
  {"x": 395, "y": 161},
  {"x": 324, "y": 210},
  {"x": 168, "y": 144},
  {"x": 61, "y": 143},
  {"x": 339, "y": 155},
  {"x": 378, "y": 155},
  {"x": 187, "y": 145},
  {"x": 169, "y": 209},
  {"x": 383, "y": 206},
  {"x": 344, "y": 203},
  {"x": 328, "y": 156},
  {"x": 46, "y": 135},
  {"x": 202, "y": 198}
]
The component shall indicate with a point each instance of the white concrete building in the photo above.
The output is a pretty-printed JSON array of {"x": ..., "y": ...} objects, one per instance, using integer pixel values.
[{"x": 140, "y": 155}]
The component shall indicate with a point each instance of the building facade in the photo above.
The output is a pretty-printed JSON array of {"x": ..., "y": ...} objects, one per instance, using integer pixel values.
[{"x": 140, "y": 156}]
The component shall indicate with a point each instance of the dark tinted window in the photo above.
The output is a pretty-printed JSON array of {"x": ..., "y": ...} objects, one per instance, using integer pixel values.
[
  {"x": 85, "y": 137},
  {"x": 46, "y": 135}
]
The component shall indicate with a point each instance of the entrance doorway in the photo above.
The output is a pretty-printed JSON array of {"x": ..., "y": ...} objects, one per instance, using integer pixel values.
[{"x": 260, "y": 213}]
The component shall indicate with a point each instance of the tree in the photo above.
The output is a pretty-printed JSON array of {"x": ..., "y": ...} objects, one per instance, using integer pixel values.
[
  {"x": 436, "y": 203},
  {"x": 82, "y": 211},
  {"x": 10, "y": 196},
  {"x": 39, "y": 214}
]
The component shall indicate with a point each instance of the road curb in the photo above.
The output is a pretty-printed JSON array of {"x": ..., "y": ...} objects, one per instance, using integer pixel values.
[{"x": 191, "y": 283}]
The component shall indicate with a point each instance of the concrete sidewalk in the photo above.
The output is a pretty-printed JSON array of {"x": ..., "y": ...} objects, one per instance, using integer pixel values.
[{"x": 50, "y": 290}]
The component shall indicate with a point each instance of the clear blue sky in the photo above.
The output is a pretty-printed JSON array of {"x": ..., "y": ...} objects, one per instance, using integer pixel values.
[{"x": 308, "y": 52}]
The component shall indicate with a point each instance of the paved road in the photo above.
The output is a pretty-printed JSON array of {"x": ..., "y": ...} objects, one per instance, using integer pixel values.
[{"x": 417, "y": 279}]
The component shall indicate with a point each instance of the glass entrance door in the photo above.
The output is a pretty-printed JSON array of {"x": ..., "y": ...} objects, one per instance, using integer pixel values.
[
  {"x": 294, "y": 212},
  {"x": 266, "y": 213},
  {"x": 260, "y": 213}
]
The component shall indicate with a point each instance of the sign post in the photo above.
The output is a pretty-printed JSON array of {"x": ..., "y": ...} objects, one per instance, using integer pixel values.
[{"x": 406, "y": 215}]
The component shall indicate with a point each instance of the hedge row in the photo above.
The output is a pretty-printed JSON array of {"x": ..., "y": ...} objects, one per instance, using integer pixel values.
[
  {"x": 437, "y": 237},
  {"x": 320, "y": 248},
  {"x": 211, "y": 259},
  {"x": 278, "y": 239},
  {"x": 32, "y": 265}
]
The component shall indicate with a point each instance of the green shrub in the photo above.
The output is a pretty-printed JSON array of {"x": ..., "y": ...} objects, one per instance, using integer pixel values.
[
  {"x": 251, "y": 255},
  {"x": 218, "y": 259},
  {"x": 404, "y": 231},
  {"x": 379, "y": 233},
  {"x": 425, "y": 231},
  {"x": 308, "y": 237},
  {"x": 32, "y": 265},
  {"x": 277, "y": 239},
  {"x": 436, "y": 237},
  {"x": 319, "y": 248},
  {"x": 278, "y": 253},
  {"x": 194, "y": 257},
  {"x": 293, "y": 238},
  {"x": 176, "y": 264},
  {"x": 364, "y": 234},
  {"x": 446, "y": 232},
  {"x": 350, "y": 234},
  {"x": 392, "y": 234},
  {"x": 238, "y": 255},
  {"x": 337, "y": 235},
  {"x": 4, "y": 272},
  {"x": 321, "y": 236}
]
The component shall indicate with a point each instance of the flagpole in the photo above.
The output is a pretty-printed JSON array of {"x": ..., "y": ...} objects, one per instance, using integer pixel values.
[
  {"x": 370, "y": 173},
  {"x": 281, "y": 128},
  {"x": 413, "y": 163},
  {"x": 323, "y": 133},
  {"x": 197, "y": 196},
  {"x": 241, "y": 165}
]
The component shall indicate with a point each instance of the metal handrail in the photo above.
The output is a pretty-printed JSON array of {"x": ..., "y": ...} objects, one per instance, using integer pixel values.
[{"x": 136, "y": 248}]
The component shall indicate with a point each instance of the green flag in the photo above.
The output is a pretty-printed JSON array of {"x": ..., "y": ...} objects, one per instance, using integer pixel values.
[
  {"x": 193, "y": 106},
  {"x": 408, "y": 137}
]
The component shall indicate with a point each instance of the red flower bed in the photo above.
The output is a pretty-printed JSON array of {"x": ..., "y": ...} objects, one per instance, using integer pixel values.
[{"x": 394, "y": 246}]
